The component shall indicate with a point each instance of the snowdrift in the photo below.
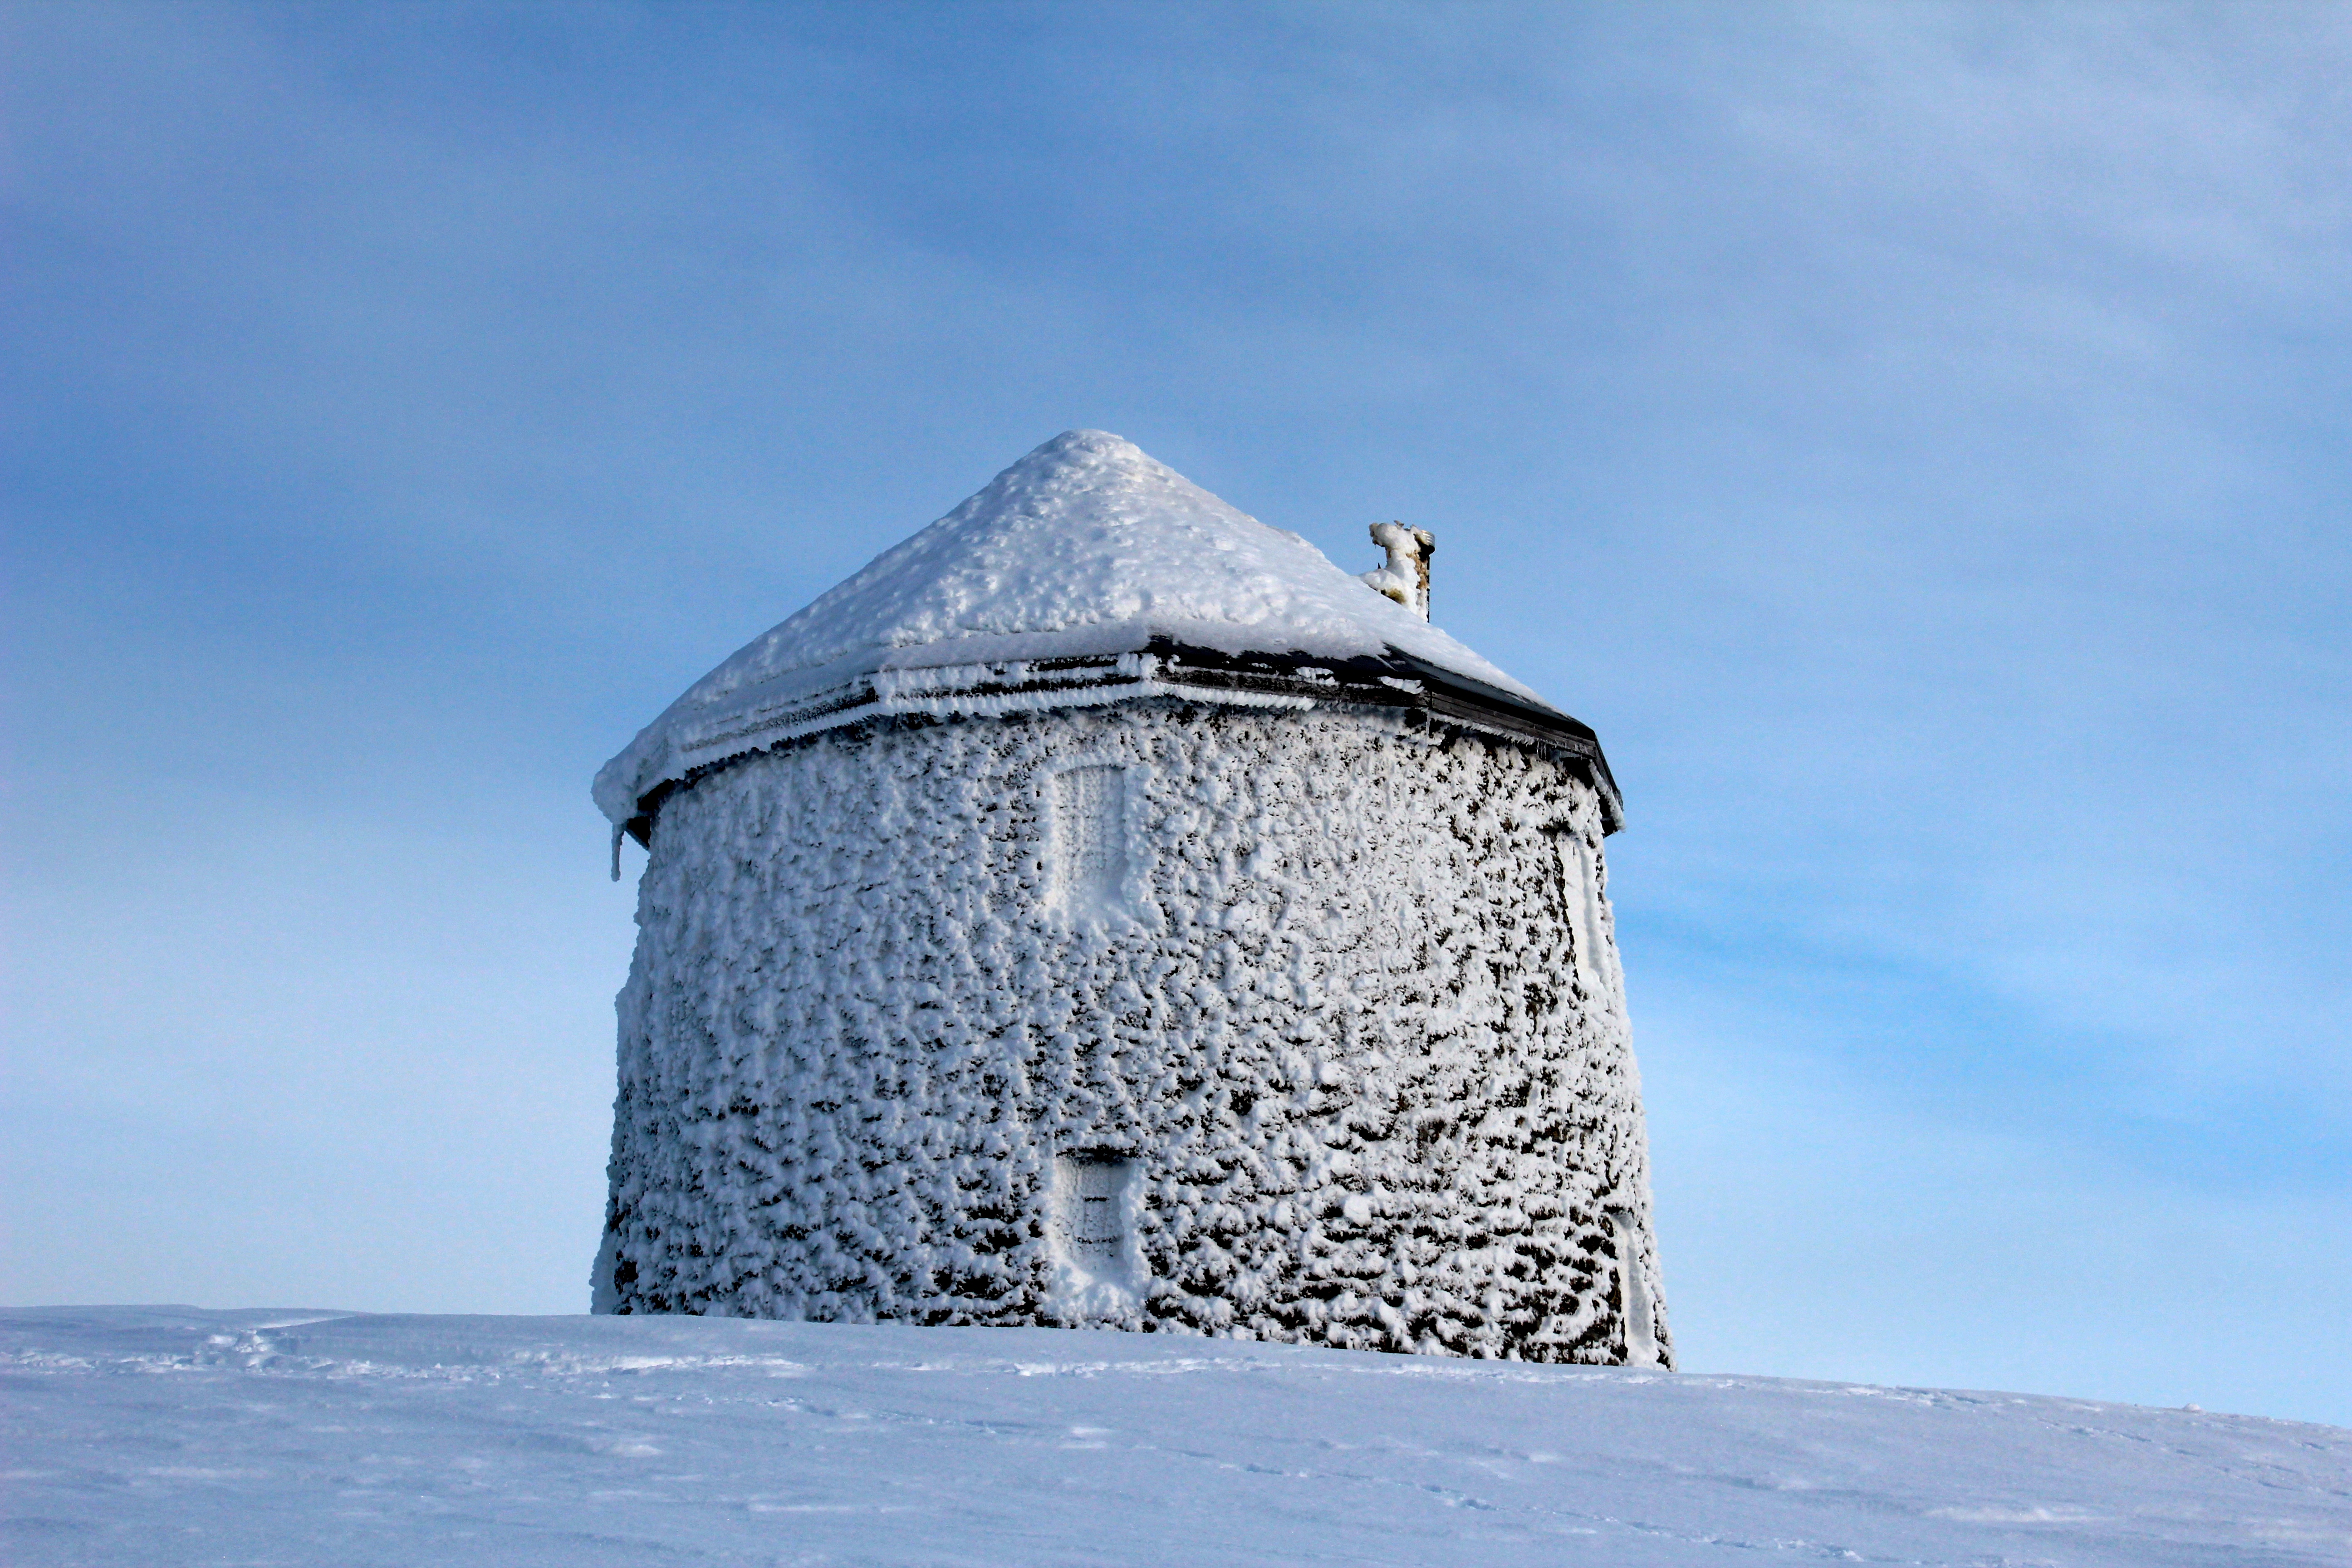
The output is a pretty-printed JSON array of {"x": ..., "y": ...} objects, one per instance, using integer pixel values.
[{"x": 169, "y": 1435}]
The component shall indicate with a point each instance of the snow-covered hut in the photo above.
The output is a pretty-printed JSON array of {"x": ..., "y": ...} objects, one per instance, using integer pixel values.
[{"x": 1103, "y": 911}]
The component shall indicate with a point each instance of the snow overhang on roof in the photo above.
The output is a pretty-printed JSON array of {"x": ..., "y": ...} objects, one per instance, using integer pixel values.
[{"x": 1085, "y": 574}]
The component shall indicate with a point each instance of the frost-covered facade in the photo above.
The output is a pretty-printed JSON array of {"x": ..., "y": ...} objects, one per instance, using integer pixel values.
[{"x": 1103, "y": 911}]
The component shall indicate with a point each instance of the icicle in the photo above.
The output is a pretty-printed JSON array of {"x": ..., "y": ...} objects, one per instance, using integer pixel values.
[{"x": 616, "y": 852}]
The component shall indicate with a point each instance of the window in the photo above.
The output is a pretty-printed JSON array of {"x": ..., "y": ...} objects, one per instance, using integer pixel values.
[
  {"x": 1097, "y": 1229},
  {"x": 1576, "y": 890},
  {"x": 1592, "y": 939},
  {"x": 1097, "y": 1199},
  {"x": 1089, "y": 846},
  {"x": 1633, "y": 1293}
]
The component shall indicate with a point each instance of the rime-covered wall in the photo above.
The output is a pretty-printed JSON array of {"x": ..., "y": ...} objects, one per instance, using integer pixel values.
[{"x": 1295, "y": 1025}]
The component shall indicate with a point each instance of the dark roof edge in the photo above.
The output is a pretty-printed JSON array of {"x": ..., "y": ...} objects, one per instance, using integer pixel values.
[
  {"x": 1399, "y": 681},
  {"x": 1410, "y": 688}
]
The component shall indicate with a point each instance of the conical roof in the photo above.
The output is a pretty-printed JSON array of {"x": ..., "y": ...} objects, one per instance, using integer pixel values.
[{"x": 1054, "y": 585}]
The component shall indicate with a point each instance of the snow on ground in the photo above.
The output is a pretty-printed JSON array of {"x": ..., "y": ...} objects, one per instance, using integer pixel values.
[{"x": 169, "y": 1435}]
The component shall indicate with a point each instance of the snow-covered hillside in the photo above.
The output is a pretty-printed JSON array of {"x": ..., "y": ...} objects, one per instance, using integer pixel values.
[{"x": 167, "y": 1434}]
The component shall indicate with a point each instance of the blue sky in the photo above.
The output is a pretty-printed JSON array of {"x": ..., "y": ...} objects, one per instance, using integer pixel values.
[{"x": 1914, "y": 436}]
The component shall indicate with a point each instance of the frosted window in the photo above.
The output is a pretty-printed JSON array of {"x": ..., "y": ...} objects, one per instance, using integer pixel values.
[
  {"x": 1641, "y": 1320},
  {"x": 1099, "y": 1220},
  {"x": 1089, "y": 846},
  {"x": 1572, "y": 902},
  {"x": 1598, "y": 946},
  {"x": 1097, "y": 1198},
  {"x": 1589, "y": 940},
  {"x": 1578, "y": 899}
]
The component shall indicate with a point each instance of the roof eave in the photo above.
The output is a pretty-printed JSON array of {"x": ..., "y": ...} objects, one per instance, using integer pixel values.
[{"x": 1411, "y": 690}]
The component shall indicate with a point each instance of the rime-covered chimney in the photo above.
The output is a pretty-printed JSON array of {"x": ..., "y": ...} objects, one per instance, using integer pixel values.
[{"x": 1404, "y": 577}]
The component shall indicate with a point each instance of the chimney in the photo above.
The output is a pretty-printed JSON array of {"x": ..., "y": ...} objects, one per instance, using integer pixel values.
[{"x": 1404, "y": 576}]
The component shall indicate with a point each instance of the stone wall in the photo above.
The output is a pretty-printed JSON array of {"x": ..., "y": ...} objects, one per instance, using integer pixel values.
[{"x": 1293, "y": 1025}]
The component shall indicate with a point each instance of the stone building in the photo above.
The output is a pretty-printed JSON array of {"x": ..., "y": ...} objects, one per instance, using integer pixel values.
[{"x": 1103, "y": 911}]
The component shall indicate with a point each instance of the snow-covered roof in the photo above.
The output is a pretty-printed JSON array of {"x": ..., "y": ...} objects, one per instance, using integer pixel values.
[{"x": 1075, "y": 562}]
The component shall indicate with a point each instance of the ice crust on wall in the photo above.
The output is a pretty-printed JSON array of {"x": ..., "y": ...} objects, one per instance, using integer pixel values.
[
  {"x": 1087, "y": 546},
  {"x": 1352, "y": 1014}
]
